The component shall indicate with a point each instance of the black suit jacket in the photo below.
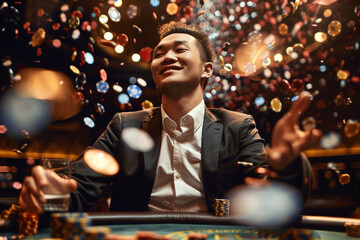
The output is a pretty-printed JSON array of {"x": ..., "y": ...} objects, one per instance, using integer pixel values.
[{"x": 227, "y": 137}]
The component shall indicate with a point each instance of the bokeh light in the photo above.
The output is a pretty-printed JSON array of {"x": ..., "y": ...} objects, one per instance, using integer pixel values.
[
  {"x": 270, "y": 205},
  {"x": 101, "y": 162},
  {"x": 133, "y": 136}
]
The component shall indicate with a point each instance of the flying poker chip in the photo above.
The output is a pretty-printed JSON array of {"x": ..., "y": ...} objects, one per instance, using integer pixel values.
[
  {"x": 254, "y": 37},
  {"x": 114, "y": 14},
  {"x": 56, "y": 43},
  {"x": 259, "y": 101},
  {"x": 3, "y": 129},
  {"x": 117, "y": 88},
  {"x": 283, "y": 29},
  {"x": 172, "y": 8},
  {"x": 155, "y": 3},
  {"x": 78, "y": 97},
  {"x": 137, "y": 139},
  {"x": 63, "y": 17},
  {"x": 80, "y": 81},
  {"x": 137, "y": 28},
  {"x": 201, "y": 13},
  {"x": 78, "y": 14},
  {"x": 102, "y": 86},
  {"x": 64, "y": 8},
  {"x": 134, "y": 91},
  {"x": 122, "y": 39},
  {"x": 75, "y": 34},
  {"x": 308, "y": 123},
  {"x": 320, "y": 37},
  {"x": 250, "y": 68},
  {"x": 344, "y": 178},
  {"x": 97, "y": 11},
  {"x": 228, "y": 67},
  {"x": 74, "y": 22},
  {"x": 269, "y": 205},
  {"x": 276, "y": 104},
  {"x": 145, "y": 54},
  {"x": 89, "y": 122},
  {"x": 147, "y": 104},
  {"x": 74, "y": 69},
  {"x": 342, "y": 75},
  {"x": 123, "y": 98},
  {"x": 141, "y": 82},
  {"x": 118, "y": 3},
  {"x": 100, "y": 108},
  {"x": 38, "y": 37},
  {"x": 334, "y": 28},
  {"x": 132, "y": 11},
  {"x": 107, "y": 43},
  {"x": 101, "y": 162},
  {"x": 330, "y": 140},
  {"x": 351, "y": 128},
  {"x": 327, "y": 13},
  {"x": 89, "y": 58},
  {"x": 103, "y": 74},
  {"x": 269, "y": 40}
]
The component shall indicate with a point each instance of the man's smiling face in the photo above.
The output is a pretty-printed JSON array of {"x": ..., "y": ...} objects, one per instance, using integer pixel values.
[{"x": 177, "y": 62}]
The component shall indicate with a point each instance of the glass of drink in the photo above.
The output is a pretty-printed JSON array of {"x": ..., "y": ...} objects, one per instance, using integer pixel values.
[{"x": 57, "y": 198}]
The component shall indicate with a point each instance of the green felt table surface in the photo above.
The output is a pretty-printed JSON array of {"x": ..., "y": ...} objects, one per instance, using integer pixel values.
[{"x": 214, "y": 232}]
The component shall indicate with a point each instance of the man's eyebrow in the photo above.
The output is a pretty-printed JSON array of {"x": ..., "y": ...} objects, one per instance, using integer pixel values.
[{"x": 176, "y": 43}]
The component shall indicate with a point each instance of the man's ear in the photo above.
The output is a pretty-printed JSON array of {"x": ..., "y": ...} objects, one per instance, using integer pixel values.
[{"x": 208, "y": 70}]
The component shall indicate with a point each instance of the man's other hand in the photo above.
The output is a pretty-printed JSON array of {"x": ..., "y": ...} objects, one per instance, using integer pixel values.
[
  {"x": 288, "y": 140},
  {"x": 32, "y": 194}
]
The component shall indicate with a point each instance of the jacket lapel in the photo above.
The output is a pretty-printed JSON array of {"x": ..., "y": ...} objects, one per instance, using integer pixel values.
[
  {"x": 211, "y": 141},
  {"x": 151, "y": 125}
]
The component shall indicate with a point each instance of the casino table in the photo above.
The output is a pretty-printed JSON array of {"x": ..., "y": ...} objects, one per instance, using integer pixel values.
[{"x": 179, "y": 225}]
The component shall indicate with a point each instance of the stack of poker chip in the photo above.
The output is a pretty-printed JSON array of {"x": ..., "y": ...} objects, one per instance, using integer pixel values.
[
  {"x": 352, "y": 229},
  {"x": 28, "y": 223},
  {"x": 12, "y": 213},
  {"x": 96, "y": 233},
  {"x": 222, "y": 207},
  {"x": 297, "y": 233},
  {"x": 69, "y": 225}
]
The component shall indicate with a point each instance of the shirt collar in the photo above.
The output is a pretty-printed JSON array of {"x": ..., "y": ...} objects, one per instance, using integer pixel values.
[{"x": 189, "y": 123}]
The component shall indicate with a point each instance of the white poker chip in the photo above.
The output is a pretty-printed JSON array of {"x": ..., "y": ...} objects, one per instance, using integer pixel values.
[
  {"x": 137, "y": 139},
  {"x": 101, "y": 162}
]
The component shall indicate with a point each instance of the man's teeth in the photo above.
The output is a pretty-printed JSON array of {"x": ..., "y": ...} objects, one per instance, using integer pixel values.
[{"x": 168, "y": 70}]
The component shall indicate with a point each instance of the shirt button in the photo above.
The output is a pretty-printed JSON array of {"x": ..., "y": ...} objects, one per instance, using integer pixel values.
[{"x": 177, "y": 176}]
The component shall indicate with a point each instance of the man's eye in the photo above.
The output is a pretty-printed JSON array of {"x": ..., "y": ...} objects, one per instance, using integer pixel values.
[
  {"x": 158, "y": 55},
  {"x": 181, "y": 49}
]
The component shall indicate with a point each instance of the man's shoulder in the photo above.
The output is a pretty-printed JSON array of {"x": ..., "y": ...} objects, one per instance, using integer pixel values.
[
  {"x": 140, "y": 115},
  {"x": 225, "y": 114},
  {"x": 135, "y": 118}
]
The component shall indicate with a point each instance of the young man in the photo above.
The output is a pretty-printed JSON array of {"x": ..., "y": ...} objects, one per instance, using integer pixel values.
[{"x": 196, "y": 153}]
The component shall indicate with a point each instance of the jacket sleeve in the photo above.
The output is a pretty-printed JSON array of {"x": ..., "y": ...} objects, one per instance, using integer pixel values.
[{"x": 91, "y": 185}]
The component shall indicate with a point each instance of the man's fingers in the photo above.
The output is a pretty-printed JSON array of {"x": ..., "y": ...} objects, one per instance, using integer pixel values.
[
  {"x": 64, "y": 185},
  {"x": 28, "y": 202},
  {"x": 299, "y": 107},
  {"x": 39, "y": 175},
  {"x": 266, "y": 172},
  {"x": 255, "y": 181},
  {"x": 33, "y": 189},
  {"x": 310, "y": 138},
  {"x": 72, "y": 185}
]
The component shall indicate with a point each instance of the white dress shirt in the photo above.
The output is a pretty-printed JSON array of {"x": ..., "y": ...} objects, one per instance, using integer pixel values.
[{"x": 178, "y": 183}]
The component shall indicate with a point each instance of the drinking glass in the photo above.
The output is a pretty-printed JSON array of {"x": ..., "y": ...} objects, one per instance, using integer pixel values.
[{"x": 57, "y": 198}]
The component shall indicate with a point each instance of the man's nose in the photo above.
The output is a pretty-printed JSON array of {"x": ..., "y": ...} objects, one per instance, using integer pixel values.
[{"x": 169, "y": 57}]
